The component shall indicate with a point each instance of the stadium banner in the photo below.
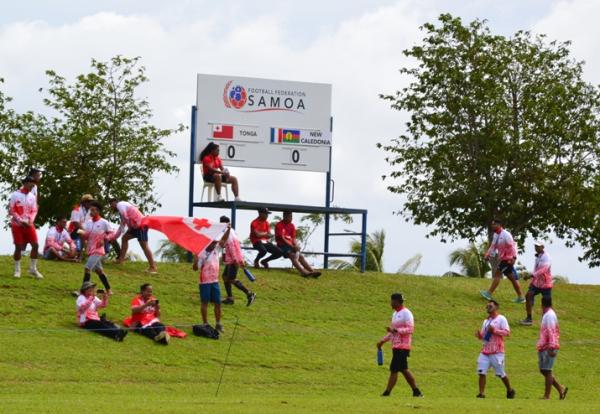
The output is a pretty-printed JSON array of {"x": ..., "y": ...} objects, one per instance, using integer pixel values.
[{"x": 265, "y": 123}]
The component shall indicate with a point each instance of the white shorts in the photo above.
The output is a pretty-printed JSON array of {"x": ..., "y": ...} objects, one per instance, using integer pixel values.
[
  {"x": 496, "y": 361},
  {"x": 94, "y": 263}
]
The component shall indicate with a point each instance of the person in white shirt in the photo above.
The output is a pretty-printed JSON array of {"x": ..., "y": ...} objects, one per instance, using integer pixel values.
[
  {"x": 87, "y": 313},
  {"x": 56, "y": 239}
]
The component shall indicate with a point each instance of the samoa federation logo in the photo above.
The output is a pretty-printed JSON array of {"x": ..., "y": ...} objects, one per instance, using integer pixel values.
[{"x": 234, "y": 96}]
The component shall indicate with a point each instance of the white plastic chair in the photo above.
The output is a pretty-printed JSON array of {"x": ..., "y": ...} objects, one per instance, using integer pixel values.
[{"x": 210, "y": 189}]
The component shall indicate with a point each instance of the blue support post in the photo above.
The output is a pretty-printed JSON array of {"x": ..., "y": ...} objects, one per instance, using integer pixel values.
[
  {"x": 233, "y": 213},
  {"x": 192, "y": 166},
  {"x": 327, "y": 204},
  {"x": 363, "y": 244}
]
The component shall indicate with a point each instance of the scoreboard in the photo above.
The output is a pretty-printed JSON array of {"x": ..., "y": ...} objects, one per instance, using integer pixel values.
[{"x": 265, "y": 123}]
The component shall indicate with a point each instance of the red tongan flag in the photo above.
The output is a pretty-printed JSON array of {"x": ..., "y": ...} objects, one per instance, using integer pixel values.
[
  {"x": 193, "y": 234},
  {"x": 223, "y": 131}
]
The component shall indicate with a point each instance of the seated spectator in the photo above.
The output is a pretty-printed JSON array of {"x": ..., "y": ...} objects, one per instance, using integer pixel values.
[
  {"x": 260, "y": 237},
  {"x": 87, "y": 313},
  {"x": 285, "y": 236},
  {"x": 57, "y": 236},
  {"x": 145, "y": 311},
  {"x": 213, "y": 171}
]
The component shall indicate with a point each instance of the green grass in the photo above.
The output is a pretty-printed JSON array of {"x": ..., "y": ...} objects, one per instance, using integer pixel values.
[{"x": 304, "y": 346}]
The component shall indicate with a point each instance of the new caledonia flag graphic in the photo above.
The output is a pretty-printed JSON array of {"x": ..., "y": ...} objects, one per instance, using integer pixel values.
[{"x": 285, "y": 136}]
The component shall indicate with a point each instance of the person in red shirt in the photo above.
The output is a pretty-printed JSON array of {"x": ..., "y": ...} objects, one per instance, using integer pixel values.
[
  {"x": 145, "y": 311},
  {"x": 213, "y": 171},
  {"x": 260, "y": 237},
  {"x": 285, "y": 236}
]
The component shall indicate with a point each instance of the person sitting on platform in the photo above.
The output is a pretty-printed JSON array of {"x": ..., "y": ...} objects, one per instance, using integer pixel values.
[
  {"x": 145, "y": 311},
  {"x": 55, "y": 240},
  {"x": 285, "y": 235},
  {"x": 260, "y": 235},
  {"x": 213, "y": 171}
]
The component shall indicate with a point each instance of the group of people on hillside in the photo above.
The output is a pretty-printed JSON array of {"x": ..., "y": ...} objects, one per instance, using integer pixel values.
[{"x": 495, "y": 327}]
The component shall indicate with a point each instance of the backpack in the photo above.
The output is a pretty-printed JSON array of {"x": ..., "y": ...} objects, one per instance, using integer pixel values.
[{"x": 206, "y": 331}]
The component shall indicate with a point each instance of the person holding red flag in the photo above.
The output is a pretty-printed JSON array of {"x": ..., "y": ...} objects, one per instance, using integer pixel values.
[{"x": 22, "y": 209}]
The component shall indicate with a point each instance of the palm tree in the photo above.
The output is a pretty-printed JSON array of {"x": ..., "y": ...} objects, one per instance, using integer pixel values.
[
  {"x": 411, "y": 265},
  {"x": 170, "y": 252},
  {"x": 471, "y": 260},
  {"x": 375, "y": 247}
]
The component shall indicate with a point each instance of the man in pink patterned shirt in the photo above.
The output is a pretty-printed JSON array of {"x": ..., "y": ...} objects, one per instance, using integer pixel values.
[
  {"x": 541, "y": 281},
  {"x": 547, "y": 347},
  {"x": 208, "y": 264},
  {"x": 492, "y": 333},
  {"x": 502, "y": 251},
  {"x": 400, "y": 333}
]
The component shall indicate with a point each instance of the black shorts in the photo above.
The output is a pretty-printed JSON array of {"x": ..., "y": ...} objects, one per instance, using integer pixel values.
[
  {"x": 507, "y": 269},
  {"x": 399, "y": 360},
  {"x": 546, "y": 293},
  {"x": 210, "y": 178},
  {"x": 230, "y": 272}
]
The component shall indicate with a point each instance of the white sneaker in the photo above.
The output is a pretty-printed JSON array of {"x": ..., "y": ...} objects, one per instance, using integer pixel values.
[
  {"x": 35, "y": 273},
  {"x": 238, "y": 199},
  {"x": 218, "y": 198},
  {"x": 17, "y": 273}
]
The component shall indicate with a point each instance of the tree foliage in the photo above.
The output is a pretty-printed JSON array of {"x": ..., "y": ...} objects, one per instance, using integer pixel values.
[
  {"x": 471, "y": 260},
  {"x": 499, "y": 127},
  {"x": 100, "y": 140},
  {"x": 171, "y": 252},
  {"x": 375, "y": 247}
]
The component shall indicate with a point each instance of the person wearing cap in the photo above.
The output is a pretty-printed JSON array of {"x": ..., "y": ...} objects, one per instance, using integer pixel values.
[
  {"x": 22, "y": 209},
  {"x": 503, "y": 248},
  {"x": 145, "y": 314},
  {"x": 79, "y": 215},
  {"x": 285, "y": 235},
  {"x": 541, "y": 281},
  {"x": 97, "y": 232},
  {"x": 547, "y": 346},
  {"x": 400, "y": 333},
  {"x": 56, "y": 239},
  {"x": 131, "y": 217},
  {"x": 260, "y": 237},
  {"x": 492, "y": 333},
  {"x": 87, "y": 313},
  {"x": 233, "y": 260},
  {"x": 36, "y": 174}
]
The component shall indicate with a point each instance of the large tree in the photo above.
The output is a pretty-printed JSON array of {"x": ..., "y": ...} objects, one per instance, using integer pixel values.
[
  {"x": 499, "y": 127},
  {"x": 101, "y": 140}
]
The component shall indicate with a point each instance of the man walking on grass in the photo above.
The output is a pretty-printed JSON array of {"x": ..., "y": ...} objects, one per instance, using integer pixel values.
[
  {"x": 400, "y": 333},
  {"x": 492, "y": 333},
  {"x": 547, "y": 347},
  {"x": 541, "y": 281},
  {"x": 503, "y": 249},
  {"x": 23, "y": 208}
]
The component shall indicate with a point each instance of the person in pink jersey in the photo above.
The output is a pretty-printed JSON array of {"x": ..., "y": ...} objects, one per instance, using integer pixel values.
[
  {"x": 97, "y": 231},
  {"x": 56, "y": 238},
  {"x": 400, "y": 333},
  {"x": 492, "y": 333},
  {"x": 503, "y": 250},
  {"x": 233, "y": 260},
  {"x": 547, "y": 347},
  {"x": 132, "y": 219},
  {"x": 87, "y": 313},
  {"x": 208, "y": 264},
  {"x": 22, "y": 209},
  {"x": 541, "y": 281}
]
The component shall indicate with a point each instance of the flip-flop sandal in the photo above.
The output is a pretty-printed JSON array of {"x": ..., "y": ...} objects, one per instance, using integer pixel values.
[{"x": 564, "y": 394}]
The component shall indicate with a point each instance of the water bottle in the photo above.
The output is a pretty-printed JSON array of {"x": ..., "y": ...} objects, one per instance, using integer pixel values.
[
  {"x": 379, "y": 356},
  {"x": 249, "y": 275}
]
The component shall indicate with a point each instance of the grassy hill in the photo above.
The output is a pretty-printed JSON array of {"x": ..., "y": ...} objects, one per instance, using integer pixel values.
[{"x": 304, "y": 346}]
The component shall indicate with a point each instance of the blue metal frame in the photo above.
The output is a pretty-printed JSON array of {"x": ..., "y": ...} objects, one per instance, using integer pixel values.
[{"x": 327, "y": 210}]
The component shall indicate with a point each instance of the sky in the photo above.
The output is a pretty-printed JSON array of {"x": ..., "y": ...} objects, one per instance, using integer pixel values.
[{"x": 355, "y": 46}]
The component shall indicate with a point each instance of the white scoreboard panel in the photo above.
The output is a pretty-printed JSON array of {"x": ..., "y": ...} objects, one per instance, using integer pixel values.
[{"x": 264, "y": 123}]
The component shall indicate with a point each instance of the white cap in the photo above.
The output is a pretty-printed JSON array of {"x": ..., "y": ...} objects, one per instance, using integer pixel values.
[{"x": 539, "y": 243}]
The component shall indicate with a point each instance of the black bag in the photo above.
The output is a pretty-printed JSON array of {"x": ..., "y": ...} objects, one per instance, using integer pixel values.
[{"x": 206, "y": 331}]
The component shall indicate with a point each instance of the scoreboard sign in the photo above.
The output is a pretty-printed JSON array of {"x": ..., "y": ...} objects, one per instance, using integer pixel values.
[{"x": 264, "y": 123}]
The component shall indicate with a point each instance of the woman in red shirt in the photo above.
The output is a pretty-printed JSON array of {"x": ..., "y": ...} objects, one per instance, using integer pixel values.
[{"x": 213, "y": 171}]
